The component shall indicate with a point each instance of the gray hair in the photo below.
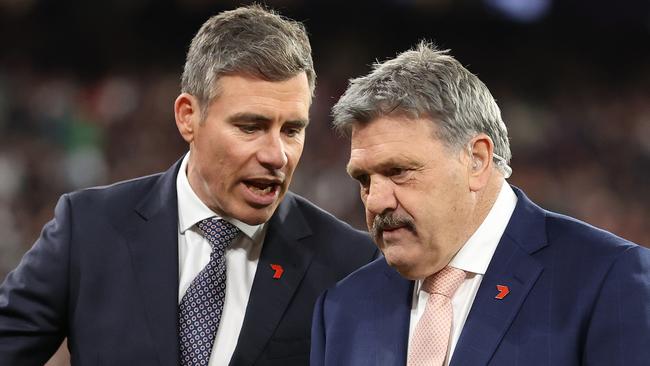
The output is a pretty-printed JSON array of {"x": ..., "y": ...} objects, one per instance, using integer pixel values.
[
  {"x": 427, "y": 82},
  {"x": 250, "y": 40}
]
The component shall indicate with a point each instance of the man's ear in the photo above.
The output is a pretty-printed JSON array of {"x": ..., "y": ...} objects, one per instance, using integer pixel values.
[
  {"x": 188, "y": 115},
  {"x": 480, "y": 164}
]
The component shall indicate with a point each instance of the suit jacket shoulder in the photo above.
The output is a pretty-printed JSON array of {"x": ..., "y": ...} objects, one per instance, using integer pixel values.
[
  {"x": 583, "y": 236},
  {"x": 145, "y": 194}
]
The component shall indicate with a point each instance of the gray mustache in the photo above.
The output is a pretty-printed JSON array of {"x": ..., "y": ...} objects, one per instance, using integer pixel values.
[{"x": 390, "y": 220}]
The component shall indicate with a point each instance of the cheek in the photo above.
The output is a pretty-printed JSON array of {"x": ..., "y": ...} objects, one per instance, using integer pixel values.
[
  {"x": 364, "y": 197},
  {"x": 294, "y": 153},
  {"x": 238, "y": 155},
  {"x": 370, "y": 218}
]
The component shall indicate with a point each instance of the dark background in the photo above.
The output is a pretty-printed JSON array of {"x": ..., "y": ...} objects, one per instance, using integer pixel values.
[{"x": 87, "y": 88}]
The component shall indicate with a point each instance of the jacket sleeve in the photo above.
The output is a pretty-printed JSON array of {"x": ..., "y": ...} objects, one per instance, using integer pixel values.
[
  {"x": 619, "y": 329},
  {"x": 34, "y": 296}
]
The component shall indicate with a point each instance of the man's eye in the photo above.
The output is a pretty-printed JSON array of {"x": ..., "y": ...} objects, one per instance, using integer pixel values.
[
  {"x": 396, "y": 172},
  {"x": 292, "y": 130},
  {"x": 399, "y": 175},
  {"x": 363, "y": 179},
  {"x": 248, "y": 128}
]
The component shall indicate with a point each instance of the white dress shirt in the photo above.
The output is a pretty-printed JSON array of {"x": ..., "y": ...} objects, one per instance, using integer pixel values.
[
  {"x": 474, "y": 258},
  {"x": 194, "y": 254}
]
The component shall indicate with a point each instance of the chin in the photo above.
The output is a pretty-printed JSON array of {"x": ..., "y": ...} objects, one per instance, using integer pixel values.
[
  {"x": 257, "y": 216},
  {"x": 410, "y": 273},
  {"x": 406, "y": 268}
]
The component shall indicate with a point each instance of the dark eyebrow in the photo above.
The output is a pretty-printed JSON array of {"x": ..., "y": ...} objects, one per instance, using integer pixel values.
[
  {"x": 302, "y": 123},
  {"x": 248, "y": 117},
  {"x": 254, "y": 117}
]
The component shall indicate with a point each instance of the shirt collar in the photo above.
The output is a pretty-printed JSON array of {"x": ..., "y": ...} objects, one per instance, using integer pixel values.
[{"x": 192, "y": 210}]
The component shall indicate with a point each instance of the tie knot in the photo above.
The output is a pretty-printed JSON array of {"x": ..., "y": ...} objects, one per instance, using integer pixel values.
[
  {"x": 219, "y": 232},
  {"x": 444, "y": 282}
]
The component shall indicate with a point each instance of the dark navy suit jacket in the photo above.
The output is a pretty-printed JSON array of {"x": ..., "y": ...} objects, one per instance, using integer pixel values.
[
  {"x": 578, "y": 296},
  {"x": 104, "y": 273}
]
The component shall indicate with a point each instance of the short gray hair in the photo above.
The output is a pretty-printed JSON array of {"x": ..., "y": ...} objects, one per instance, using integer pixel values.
[
  {"x": 427, "y": 82},
  {"x": 251, "y": 40}
]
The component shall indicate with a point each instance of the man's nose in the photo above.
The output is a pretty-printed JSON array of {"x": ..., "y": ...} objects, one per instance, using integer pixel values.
[
  {"x": 273, "y": 153},
  {"x": 380, "y": 196}
]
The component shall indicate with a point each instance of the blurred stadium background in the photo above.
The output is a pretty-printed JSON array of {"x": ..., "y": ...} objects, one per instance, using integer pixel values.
[{"x": 87, "y": 88}]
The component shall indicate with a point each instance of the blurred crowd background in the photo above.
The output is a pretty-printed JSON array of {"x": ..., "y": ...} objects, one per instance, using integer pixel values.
[{"x": 87, "y": 88}]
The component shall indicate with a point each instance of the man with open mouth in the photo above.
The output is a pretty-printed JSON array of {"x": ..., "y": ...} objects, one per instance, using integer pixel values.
[{"x": 214, "y": 261}]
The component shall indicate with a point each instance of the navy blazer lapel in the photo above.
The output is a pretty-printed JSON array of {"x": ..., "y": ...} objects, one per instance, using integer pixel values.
[
  {"x": 270, "y": 296},
  {"x": 152, "y": 235},
  {"x": 512, "y": 265}
]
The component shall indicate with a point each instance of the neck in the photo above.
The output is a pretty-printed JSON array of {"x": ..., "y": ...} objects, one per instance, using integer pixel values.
[{"x": 486, "y": 198}]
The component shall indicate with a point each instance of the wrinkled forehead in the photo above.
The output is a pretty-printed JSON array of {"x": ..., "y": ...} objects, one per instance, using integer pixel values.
[
  {"x": 390, "y": 128},
  {"x": 387, "y": 137}
]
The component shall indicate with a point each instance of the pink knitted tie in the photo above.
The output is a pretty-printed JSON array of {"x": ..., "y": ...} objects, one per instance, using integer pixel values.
[{"x": 431, "y": 336}]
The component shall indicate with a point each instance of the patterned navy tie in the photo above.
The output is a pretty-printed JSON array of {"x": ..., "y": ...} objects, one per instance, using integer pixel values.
[{"x": 200, "y": 309}]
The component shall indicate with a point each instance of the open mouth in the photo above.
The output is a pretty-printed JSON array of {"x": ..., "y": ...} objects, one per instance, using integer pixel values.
[
  {"x": 262, "y": 191},
  {"x": 262, "y": 188}
]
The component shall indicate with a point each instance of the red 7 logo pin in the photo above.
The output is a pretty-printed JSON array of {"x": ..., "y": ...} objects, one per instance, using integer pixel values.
[
  {"x": 278, "y": 270},
  {"x": 503, "y": 292}
]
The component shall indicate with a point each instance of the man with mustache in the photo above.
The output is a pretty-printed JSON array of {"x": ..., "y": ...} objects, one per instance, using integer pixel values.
[
  {"x": 213, "y": 262},
  {"x": 473, "y": 272}
]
